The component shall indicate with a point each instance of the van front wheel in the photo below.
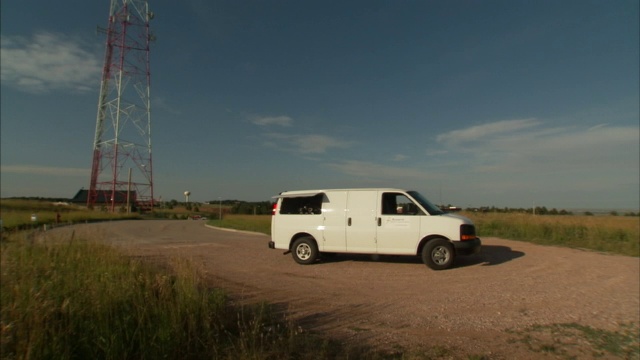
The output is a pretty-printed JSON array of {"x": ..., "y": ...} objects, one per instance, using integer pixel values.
[
  {"x": 305, "y": 250},
  {"x": 438, "y": 254}
]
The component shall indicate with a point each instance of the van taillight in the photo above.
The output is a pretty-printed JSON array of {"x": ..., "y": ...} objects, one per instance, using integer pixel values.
[
  {"x": 467, "y": 232},
  {"x": 274, "y": 209}
]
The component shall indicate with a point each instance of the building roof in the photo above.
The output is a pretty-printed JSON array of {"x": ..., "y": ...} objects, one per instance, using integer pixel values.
[{"x": 104, "y": 197}]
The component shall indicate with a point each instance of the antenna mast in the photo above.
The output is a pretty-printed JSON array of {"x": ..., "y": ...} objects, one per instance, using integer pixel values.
[{"x": 121, "y": 170}]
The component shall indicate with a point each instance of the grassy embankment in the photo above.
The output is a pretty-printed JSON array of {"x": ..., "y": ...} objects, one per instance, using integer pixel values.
[
  {"x": 78, "y": 299},
  {"x": 17, "y": 214},
  {"x": 180, "y": 212},
  {"x": 255, "y": 223},
  {"x": 611, "y": 234}
]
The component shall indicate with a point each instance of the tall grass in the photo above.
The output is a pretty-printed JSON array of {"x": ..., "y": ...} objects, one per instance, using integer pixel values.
[
  {"x": 18, "y": 214},
  {"x": 180, "y": 212},
  {"x": 612, "y": 234},
  {"x": 255, "y": 223},
  {"x": 76, "y": 299}
]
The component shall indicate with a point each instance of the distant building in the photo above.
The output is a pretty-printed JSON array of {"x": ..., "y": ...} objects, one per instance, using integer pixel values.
[
  {"x": 104, "y": 197},
  {"x": 450, "y": 208}
]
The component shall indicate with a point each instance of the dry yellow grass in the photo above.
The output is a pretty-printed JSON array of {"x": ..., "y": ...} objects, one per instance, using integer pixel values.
[
  {"x": 20, "y": 213},
  {"x": 614, "y": 234},
  {"x": 625, "y": 223}
]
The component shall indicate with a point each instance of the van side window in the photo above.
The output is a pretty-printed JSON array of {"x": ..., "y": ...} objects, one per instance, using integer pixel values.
[
  {"x": 398, "y": 204},
  {"x": 305, "y": 205}
]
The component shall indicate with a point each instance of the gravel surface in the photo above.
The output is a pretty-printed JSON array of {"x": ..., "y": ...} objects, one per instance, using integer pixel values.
[{"x": 502, "y": 303}]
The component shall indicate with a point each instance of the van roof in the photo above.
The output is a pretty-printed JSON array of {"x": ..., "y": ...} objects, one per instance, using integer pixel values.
[{"x": 299, "y": 193}]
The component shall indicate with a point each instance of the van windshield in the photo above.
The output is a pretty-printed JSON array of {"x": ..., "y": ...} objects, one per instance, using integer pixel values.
[{"x": 431, "y": 209}]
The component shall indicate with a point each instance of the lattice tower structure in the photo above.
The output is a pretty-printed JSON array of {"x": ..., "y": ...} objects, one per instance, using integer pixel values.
[{"x": 122, "y": 171}]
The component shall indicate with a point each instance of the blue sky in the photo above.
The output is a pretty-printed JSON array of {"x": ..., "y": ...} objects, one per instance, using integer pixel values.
[{"x": 472, "y": 103}]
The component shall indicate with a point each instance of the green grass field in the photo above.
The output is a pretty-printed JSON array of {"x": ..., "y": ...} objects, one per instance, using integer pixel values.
[
  {"x": 255, "y": 223},
  {"x": 78, "y": 299},
  {"x": 18, "y": 214},
  {"x": 611, "y": 234}
]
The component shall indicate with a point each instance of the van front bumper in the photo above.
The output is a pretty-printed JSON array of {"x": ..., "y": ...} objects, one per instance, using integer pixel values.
[
  {"x": 467, "y": 247},
  {"x": 272, "y": 245}
]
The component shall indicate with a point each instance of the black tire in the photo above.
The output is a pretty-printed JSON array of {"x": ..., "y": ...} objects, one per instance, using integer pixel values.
[
  {"x": 305, "y": 250},
  {"x": 438, "y": 254}
]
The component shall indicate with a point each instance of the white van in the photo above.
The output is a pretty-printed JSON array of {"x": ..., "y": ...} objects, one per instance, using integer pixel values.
[{"x": 311, "y": 223}]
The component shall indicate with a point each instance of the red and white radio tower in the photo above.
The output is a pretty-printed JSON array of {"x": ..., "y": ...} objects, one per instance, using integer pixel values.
[{"x": 121, "y": 173}]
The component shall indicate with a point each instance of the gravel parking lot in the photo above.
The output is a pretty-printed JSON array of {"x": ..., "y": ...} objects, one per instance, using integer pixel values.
[{"x": 504, "y": 303}]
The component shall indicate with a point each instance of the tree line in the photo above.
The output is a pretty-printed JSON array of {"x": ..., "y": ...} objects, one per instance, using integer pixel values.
[{"x": 539, "y": 210}]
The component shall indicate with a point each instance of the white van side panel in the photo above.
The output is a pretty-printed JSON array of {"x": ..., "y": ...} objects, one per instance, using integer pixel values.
[
  {"x": 399, "y": 234},
  {"x": 446, "y": 225},
  {"x": 352, "y": 221},
  {"x": 369, "y": 221},
  {"x": 334, "y": 235},
  {"x": 290, "y": 225},
  {"x": 362, "y": 210}
]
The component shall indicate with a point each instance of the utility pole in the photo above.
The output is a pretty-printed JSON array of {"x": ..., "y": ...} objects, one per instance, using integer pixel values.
[{"x": 123, "y": 124}]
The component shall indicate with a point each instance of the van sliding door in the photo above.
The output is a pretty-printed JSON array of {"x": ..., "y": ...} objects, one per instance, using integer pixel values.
[
  {"x": 334, "y": 222},
  {"x": 361, "y": 221}
]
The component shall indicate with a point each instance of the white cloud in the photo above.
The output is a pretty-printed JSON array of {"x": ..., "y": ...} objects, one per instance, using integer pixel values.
[
  {"x": 379, "y": 172},
  {"x": 305, "y": 144},
  {"x": 317, "y": 144},
  {"x": 298, "y": 143},
  {"x": 272, "y": 120},
  {"x": 43, "y": 170},
  {"x": 560, "y": 150},
  {"x": 400, "y": 157},
  {"x": 48, "y": 61},
  {"x": 597, "y": 127},
  {"x": 521, "y": 158},
  {"x": 161, "y": 103},
  {"x": 478, "y": 133}
]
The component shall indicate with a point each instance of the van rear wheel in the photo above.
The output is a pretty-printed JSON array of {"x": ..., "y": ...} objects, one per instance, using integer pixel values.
[
  {"x": 305, "y": 250},
  {"x": 438, "y": 254}
]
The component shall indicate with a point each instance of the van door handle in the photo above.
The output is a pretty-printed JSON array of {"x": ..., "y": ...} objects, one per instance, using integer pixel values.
[
  {"x": 349, "y": 222},
  {"x": 379, "y": 221}
]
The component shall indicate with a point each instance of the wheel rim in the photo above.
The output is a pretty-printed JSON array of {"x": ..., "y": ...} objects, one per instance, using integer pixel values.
[
  {"x": 440, "y": 255},
  {"x": 303, "y": 251}
]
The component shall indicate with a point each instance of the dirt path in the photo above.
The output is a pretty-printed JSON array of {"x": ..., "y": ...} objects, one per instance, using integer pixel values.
[{"x": 487, "y": 305}]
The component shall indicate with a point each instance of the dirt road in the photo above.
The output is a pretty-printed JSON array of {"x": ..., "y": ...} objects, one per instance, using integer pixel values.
[{"x": 504, "y": 303}]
